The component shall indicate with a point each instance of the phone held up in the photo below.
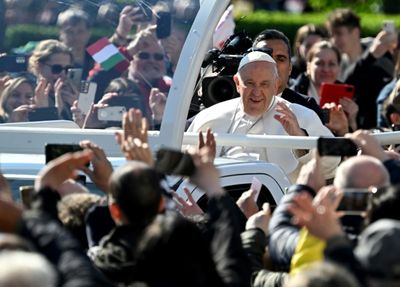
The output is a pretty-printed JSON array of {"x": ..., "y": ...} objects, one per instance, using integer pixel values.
[
  {"x": 389, "y": 26},
  {"x": 332, "y": 93},
  {"x": 87, "y": 94},
  {"x": 355, "y": 201},
  {"x": 174, "y": 162},
  {"x": 336, "y": 147},
  {"x": 53, "y": 151},
  {"x": 163, "y": 29}
]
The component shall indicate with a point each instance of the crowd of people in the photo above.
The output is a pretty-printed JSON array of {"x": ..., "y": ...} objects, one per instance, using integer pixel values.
[{"x": 140, "y": 232}]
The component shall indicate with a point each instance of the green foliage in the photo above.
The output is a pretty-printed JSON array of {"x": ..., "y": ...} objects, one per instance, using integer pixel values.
[
  {"x": 19, "y": 35},
  {"x": 289, "y": 23},
  {"x": 366, "y": 6}
]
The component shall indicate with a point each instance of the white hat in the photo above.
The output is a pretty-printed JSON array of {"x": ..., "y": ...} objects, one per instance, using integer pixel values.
[{"x": 255, "y": 56}]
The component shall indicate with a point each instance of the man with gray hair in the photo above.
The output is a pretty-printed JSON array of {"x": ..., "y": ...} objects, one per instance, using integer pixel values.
[
  {"x": 362, "y": 171},
  {"x": 259, "y": 111}
]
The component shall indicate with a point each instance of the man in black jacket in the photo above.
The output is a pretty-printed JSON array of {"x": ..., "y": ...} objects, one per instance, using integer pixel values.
[
  {"x": 369, "y": 66},
  {"x": 148, "y": 238},
  {"x": 280, "y": 45}
]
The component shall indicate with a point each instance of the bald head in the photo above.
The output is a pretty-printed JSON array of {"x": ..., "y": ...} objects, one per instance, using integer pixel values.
[{"x": 361, "y": 172}]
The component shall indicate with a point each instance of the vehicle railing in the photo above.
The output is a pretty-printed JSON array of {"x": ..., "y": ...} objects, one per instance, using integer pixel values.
[{"x": 22, "y": 140}]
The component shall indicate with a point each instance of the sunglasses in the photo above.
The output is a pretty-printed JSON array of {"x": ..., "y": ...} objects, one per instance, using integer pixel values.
[
  {"x": 57, "y": 69},
  {"x": 146, "y": 56}
]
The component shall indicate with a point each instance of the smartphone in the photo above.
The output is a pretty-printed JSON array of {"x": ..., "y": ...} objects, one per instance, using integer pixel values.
[
  {"x": 53, "y": 151},
  {"x": 87, "y": 93},
  {"x": 163, "y": 29},
  {"x": 355, "y": 200},
  {"x": 111, "y": 114},
  {"x": 336, "y": 147},
  {"x": 174, "y": 162},
  {"x": 26, "y": 194},
  {"x": 332, "y": 93},
  {"x": 13, "y": 63},
  {"x": 125, "y": 101},
  {"x": 43, "y": 114},
  {"x": 389, "y": 26},
  {"x": 75, "y": 76}
]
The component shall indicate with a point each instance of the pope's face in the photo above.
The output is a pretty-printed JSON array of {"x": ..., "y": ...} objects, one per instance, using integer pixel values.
[{"x": 257, "y": 83}]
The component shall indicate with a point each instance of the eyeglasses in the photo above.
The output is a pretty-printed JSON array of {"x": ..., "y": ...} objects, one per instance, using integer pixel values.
[
  {"x": 147, "y": 56},
  {"x": 57, "y": 68}
]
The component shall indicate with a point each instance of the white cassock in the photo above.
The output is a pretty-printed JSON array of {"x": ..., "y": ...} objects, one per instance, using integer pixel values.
[{"x": 229, "y": 117}]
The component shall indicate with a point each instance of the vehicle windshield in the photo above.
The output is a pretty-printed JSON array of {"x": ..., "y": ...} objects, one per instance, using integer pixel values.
[{"x": 89, "y": 61}]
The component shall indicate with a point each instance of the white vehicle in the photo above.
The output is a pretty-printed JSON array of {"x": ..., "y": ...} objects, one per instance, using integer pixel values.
[{"x": 22, "y": 145}]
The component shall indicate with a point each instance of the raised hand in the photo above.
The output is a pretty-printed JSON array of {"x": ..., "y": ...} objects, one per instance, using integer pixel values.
[
  {"x": 157, "y": 101},
  {"x": 187, "y": 207},
  {"x": 338, "y": 122},
  {"x": 260, "y": 219},
  {"x": 288, "y": 120},
  {"x": 247, "y": 203},
  {"x": 209, "y": 142},
  {"x": 60, "y": 169},
  {"x": 319, "y": 216},
  {"x": 368, "y": 144},
  {"x": 351, "y": 109},
  {"x": 102, "y": 168},
  {"x": 41, "y": 98},
  {"x": 20, "y": 114},
  {"x": 311, "y": 173},
  {"x": 77, "y": 116},
  {"x": 128, "y": 17},
  {"x": 206, "y": 175},
  {"x": 133, "y": 140},
  {"x": 143, "y": 39}
]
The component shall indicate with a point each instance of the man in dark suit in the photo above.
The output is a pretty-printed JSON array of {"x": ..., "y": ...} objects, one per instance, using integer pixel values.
[{"x": 280, "y": 45}]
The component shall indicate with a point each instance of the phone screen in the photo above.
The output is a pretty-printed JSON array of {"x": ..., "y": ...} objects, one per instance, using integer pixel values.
[
  {"x": 13, "y": 63},
  {"x": 53, "y": 151},
  {"x": 174, "y": 162},
  {"x": 336, "y": 147},
  {"x": 163, "y": 29},
  {"x": 43, "y": 114},
  {"x": 354, "y": 200}
]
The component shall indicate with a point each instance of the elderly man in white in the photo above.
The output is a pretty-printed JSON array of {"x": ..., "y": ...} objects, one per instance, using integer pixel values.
[{"x": 259, "y": 111}]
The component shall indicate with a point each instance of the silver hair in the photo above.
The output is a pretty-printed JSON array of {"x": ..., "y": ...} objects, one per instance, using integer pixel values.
[{"x": 26, "y": 269}]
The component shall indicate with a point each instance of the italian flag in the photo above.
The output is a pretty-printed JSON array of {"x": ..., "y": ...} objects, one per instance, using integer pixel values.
[{"x": 107, "y": 55}]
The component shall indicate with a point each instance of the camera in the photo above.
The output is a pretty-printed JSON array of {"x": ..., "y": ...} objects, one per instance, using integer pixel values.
[{"x": 217, "y": 84}]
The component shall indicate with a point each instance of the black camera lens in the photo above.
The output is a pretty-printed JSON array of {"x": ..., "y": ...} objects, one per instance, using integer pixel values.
[{"x": 218, "y": 89}]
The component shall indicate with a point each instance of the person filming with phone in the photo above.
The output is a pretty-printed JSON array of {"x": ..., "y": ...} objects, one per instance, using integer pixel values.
[
  {"x": 50, "y": 62},
  {"x": 147, "y": 59},
  {"x": 259, "y": 111},
  {"x": 323, "y": 67}
]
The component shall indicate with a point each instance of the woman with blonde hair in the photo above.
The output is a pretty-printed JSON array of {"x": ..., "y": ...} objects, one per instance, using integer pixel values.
[
  {"x": 16, "y": 100},
  {"x": 50, "y": 62}
]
